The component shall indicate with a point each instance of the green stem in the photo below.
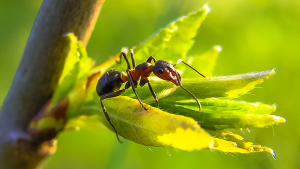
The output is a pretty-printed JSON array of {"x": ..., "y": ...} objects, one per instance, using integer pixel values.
[{"x": 38, "y": 75}]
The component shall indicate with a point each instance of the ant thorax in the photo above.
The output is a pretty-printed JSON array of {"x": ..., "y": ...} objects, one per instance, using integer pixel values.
[{"x": 144, "y": 69}]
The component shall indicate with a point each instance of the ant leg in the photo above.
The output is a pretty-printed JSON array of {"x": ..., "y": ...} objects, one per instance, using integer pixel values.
[
  {"x": 112, "y": 94},
  {"x": 133, "y": 87},
  {"x": 151, "y": 58},
  {"x": 143, "y": 82},
  {"x": 108, "y": 119},
  {"x": 132, "y": 58},
  {"x": 109, "y": 95},
  {"x": 153, "y": 93},
  {"x": 125, "y": 57},
  {"x": 180, "y": 60}
]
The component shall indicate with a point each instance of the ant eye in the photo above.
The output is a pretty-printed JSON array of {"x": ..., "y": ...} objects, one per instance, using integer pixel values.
[{"x": 161, "y": 70}]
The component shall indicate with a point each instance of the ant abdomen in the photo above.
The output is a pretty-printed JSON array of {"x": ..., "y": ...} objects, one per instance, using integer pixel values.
[{"x": 111, "y": 81}]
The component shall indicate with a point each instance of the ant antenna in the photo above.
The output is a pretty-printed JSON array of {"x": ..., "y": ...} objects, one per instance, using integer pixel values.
[
  {"x": 187, "y": 91},
  {"x": 180, "y": 60}
]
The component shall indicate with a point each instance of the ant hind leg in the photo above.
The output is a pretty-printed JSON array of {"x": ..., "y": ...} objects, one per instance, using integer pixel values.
[{"x": 109, "y": 95}]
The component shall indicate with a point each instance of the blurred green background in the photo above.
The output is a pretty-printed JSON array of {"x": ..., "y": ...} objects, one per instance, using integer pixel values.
[{"x": 255, "y": 35}]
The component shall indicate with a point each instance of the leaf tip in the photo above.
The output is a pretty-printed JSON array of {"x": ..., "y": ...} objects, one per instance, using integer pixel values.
[
  {"x": 274, "y": 70},
  {"x": 278, "y": 119},
  {"x": 206, "y": 8},
  {"x": 70, "y": 36},
  {"x": 271, "y": 151},
  {"x": 217, "y": 48}
]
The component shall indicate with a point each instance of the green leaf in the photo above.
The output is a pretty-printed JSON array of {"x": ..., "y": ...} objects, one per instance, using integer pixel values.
[
  {"x": 72, "y": 81},
  {"x": 218, "y": 114},
  {"x": 230, "y": 142},
  {"x": 69, "y": 95},
  {"x": 68, "y": 78},
  {"x": 153, "y": 127},
  {"x": 85, "y": 62},
  {"x": 232, "y": 86},
  {"x": 50, "y": 122},
  {"x": 176, "y": 122},
  {"x": 205, "y": 63},
  {"x": 172, "y": 42}
]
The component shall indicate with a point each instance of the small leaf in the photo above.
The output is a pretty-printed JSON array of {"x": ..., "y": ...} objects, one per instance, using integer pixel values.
[
  {"x": 76, "y": 69},
  {"x": 67, "y": 97},
  {"x": 68, "y": 78},
  {"x": 205, "y": 63},
  {"x": 71, "y": 58},
  {"x": 230, "y": 142},
  {"x": 51, "y": 122},
  {"x": 48, "y": 122},
  {"x": 217, "y": 114},
  {"x": 172, "y": 42},
  {"x": 222, "y": 86},
  {"x": 85, "y": 62}
]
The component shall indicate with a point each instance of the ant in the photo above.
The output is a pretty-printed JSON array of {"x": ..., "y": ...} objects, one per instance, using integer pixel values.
[{"x": 109, "y": 84}]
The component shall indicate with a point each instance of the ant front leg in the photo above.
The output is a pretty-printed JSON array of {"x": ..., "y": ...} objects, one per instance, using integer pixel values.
[
  {"x": 151, "y": 58},
  {"x": 132, "y": 58},
  {"x": 110, "y": 95},
  {"x": 143, "y": 82},
  {"x": 132, "y": 84},
  {"x": 126, "y": 59}
]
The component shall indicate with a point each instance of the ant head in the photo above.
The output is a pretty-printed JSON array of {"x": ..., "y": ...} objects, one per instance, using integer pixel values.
[{"x": 166, "y": 71}]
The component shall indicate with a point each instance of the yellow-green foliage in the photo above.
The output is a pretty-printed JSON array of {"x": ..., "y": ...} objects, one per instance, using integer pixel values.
[{"x": 177, "y": 123}]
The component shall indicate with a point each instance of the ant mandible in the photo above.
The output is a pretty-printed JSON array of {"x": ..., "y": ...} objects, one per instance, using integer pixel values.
[{"x": 109, "y": 84}]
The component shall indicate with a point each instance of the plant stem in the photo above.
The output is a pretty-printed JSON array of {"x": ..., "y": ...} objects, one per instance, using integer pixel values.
[{"x": 38, "y": 74}]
